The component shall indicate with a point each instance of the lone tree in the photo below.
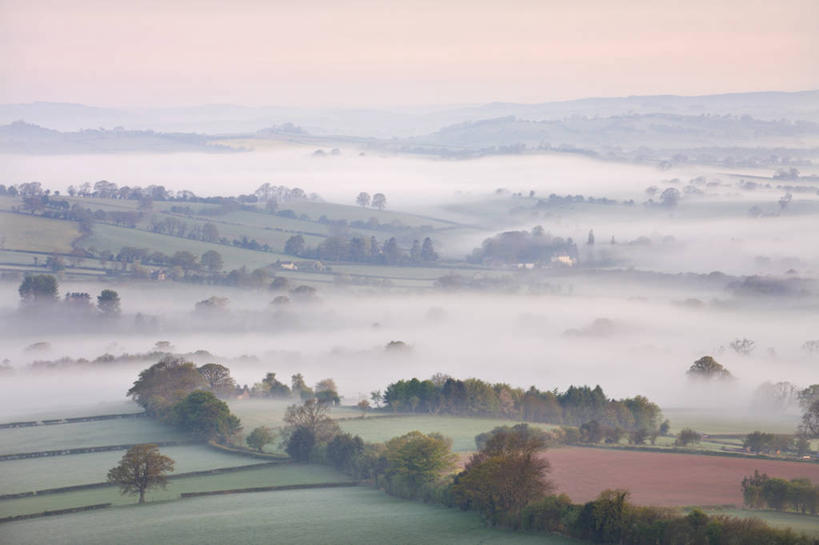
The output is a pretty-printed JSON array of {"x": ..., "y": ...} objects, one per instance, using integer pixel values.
[
  {"x": 260, "y": 437},
  {"x": 708, "y": 368},
  {"x": 108, "y": 303},
  {"x": 141, "y": 469}
]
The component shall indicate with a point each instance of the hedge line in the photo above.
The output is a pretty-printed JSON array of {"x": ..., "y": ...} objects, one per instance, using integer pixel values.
[
  {"x": 75, "y": 420},
  {"x": 86, "y": 450},
  {"x": 269, "y": 489},
  {"x": 56, "y": 512}
]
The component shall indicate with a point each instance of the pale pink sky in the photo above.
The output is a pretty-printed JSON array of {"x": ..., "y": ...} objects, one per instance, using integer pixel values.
[{"x": 359, "y": 53}]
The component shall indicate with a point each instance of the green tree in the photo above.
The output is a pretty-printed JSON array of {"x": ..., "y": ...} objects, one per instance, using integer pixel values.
[
  {"x": 108, "y": 303},
  {"x": 142, "y": 468},
  {"x": 313, "y": 416},
  {"x": 206, "y": 416},
  {"x": 686, "y": 437},
  {"x": 294, "y": 245},
  {"x": 415, "y": 459},
  {"x": 343, "y": 449},
  {"x": 212, "y": 261},
  {"x": 38, "y": 288},
  {"x": 165, "y": 383},
  {"x": 260, "y": 437},
  {"x": 300, "y": 443}
]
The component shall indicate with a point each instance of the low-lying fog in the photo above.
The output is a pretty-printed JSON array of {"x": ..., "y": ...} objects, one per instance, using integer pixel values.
[{"x": 629, "y": 338}]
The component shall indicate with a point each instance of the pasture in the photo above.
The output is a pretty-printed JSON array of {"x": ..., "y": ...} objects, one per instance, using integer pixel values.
[
  {"x": 125, "y": 431},
  {"x": 30, "y": 474},
  {"x": 278, "y": 475},
  {"x": 666, "y": 479},
  {"x": 22, "y": 232},
  {"x": 358, "y": 516}
]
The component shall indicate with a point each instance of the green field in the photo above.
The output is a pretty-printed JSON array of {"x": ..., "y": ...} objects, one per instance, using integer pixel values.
[
  {"x": 280, "y": 475},
  {"x": 359, "y": 516},
  {"x": 85, "y": 434},
  {"x": 806, "y": 524},
  {"x": 22, "y": 232},
  {"x": 76, "y": 411},
  {"x": 721, "y": 422},
  {"x": 32, "y": 474},
  {"x": 462, "y": 431}
]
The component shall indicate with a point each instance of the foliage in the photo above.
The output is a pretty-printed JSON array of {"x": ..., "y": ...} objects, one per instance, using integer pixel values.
[
  {"x": 142, "y": 468},
  {"x": 108, "y": 303},
  {"x": 686, "y": 437},
  {"x": 206, "y": 416},
  {"x": 38, "y": 288},
  {"x": 260, "y": 437},
  {"x": 506, "y": 474},
  {"x": 799, "y": 495},
  {"x": 218, "y": 379},
  {"x": 415, "y": 460},
  {"x": 708, "y": 368},
  {"x": 343, "y": 450},
  {"x": 164, "y": 384},
  {"x": 313, "y": 416},
  {"x": 300, "y": 443}
]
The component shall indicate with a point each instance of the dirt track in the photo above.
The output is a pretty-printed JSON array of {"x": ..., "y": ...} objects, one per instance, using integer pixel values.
[{"x": 663, "y": 478}]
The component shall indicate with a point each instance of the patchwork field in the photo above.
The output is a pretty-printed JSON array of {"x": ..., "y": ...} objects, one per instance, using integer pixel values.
[
  {"x": 663, "y": 478},
  {"x": 32, "y": 474},
  {"x": 124, "y": 431},
  {"x": 345, "y": 516},
  {"x": 279, "y": 475}
]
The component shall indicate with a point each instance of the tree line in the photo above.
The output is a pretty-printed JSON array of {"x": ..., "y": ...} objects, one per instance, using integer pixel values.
[
  {"x": 598, "y": 416},
  {"x": 800, "y": 495},
  {"x": 361, "y": 249}
]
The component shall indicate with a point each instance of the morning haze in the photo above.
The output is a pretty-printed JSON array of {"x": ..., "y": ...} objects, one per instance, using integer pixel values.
[{"x": 383, "y": 272}]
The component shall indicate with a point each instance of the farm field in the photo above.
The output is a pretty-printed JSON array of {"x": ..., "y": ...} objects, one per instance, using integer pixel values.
[
  {"x": 32, "y": 474},
  {"x": 85, "y": 434},
  {"x": 708, "y": 422},
  {"x": 75, "y": 411},
  {"x": 350, "y": 515},
  {"x": 666, "y": 479},
  {"x": 36, "y": 233},
  {"x": 462, "y": 431},
  {"x": 278, "y": 475},
  {"x": 799, "y": 523}
]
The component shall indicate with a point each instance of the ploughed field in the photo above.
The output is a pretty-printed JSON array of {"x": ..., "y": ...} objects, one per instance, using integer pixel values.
[
  {"x": 659, "y": 478},
  {"x": 351, "y": 515}
]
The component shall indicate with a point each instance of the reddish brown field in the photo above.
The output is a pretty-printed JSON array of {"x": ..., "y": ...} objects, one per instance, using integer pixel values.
[{"x": 666, "y": 479}]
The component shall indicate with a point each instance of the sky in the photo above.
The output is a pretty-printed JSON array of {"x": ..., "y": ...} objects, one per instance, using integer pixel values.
[{"x": 360, "y": 53}]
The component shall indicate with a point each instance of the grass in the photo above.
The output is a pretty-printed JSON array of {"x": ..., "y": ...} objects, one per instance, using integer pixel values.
[
  {"x": 807, "y": 524},
  {"x": 32, "y": 474},
  {"x": 85, "y": 434},
  {"x": 722, "y": 422},
  {"x": 21, "y": 232},
  {"x": 358, "y": 516},
  {"x": 76, "y": 411},
  {"x": 280, "y": 475},
  {"x": 462, "y": 431}
]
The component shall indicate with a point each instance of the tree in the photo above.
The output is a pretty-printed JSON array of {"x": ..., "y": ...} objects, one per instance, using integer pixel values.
[
  {"x": 164, "y": 383},
  {"x": 686, "y": 437},
  {"x": 708, "y": 368},
  {"x": 260, "y": 437},
  {"x": 428, "y": 253},
  {"x": 379, "y": 201},
  {"x": 313, "y": 416},
  {"x": 300, "y": 443},
  {"x": 218, "y": 379},
  {"x": 363, "y": 199},
  {"x": 273, "y": 387},
  {"x": 212, "y": 261},
  {"x": 38, "y": 288},
  {"x": 506, "y": 474},
  {"x": 210, "y": 233},
  {"x": 299, "y": 387},
  {"x": 185, "y": 260},
  {"x": 415, "y": 459},
  {"x": 343, "y": 449},
  {"x": 744, "y": 347},
  {"x": 142, "y": 468},
  {"x": 294, "y": 245},
  {"x": 670, "y": 197},
  {"x": 810, "y": 419},
  {"x": 206, "y": 416},
  {"x": 108, "y": 303},
  {"x": 327, "y": 392}
]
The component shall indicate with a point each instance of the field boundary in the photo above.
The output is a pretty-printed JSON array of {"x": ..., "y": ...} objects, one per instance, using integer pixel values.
[
  {"x": 697, "y": 452},
  {"x": 91, "y": 486},
  {"x": 56, "y": 512},
  {"x": 74, "y": 420},
  {"x": 349, "y": 484},
  {"x": 86, "y": 450},
  {"x": 240, "y": 451}
]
